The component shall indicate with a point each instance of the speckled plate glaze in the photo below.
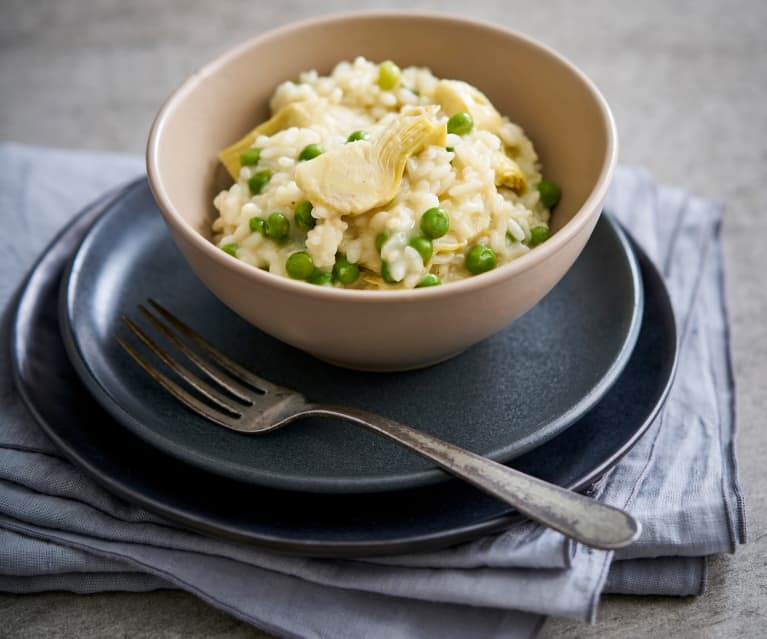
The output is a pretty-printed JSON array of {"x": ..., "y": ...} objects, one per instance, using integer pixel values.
[
  {"x": 326, "y": 524},
  {"x": 501, "y": 398}
]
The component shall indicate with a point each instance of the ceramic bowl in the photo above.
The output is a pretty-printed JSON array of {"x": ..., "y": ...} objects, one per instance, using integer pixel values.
[{"x": 559, "y": 108}]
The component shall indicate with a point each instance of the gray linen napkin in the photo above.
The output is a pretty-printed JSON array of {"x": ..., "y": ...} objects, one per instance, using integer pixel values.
[{"x": 59, "y": 530}]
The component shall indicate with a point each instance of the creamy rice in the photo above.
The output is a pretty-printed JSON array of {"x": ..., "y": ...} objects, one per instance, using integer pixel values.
[{"x": 460, "y": 175}]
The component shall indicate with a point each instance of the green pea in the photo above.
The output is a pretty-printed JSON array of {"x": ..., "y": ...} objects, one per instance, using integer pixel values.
[
  {"x": 424, "y": 247},
  {"x": 344, "y": 271},
  {"x": 388, "y": 75},
  {"x": 429, "y": 280},
  {"x": 259, "y": 180},
  {"x": 450, "y": 149},
  {"x": 257, "y": 225},
  {"x": 321, "y": 278},
  {"x": 277, "y": 226},
  {"x": 538, "y": 235},
  {"x": 435, "y": 223},
  {"x": 230, "y": 248},
  {"x": 461, "y": 123},
  {"x": 309, "y": 152},
  {"x": 300, "y": 266},
  {"x": 380, "y": 241},
  {"x": 358, "y": 135},
  {"x": 480, "y": 259},
  {"x": 250, "y": 157},
  {"x": 303, "y": 216},
  {"x": 550, "y": 193},
  {"x": 386, "y": 274}
]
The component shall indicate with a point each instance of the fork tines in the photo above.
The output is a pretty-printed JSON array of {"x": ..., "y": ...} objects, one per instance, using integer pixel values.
[{"x": 238, "y": 384}]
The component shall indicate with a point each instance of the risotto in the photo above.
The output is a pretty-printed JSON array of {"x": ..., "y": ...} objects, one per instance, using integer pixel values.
[{"x": 377, "y": 177}]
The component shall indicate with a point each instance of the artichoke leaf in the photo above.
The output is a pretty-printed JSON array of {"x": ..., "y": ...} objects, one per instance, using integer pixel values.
[
  {"x": 373, "y": 279},
  {"x": 455, "y": 96},
  {"x": 509, "y": 174},
  {"x": 355, "y": 178},
  {"x": 298, "y": 114}
]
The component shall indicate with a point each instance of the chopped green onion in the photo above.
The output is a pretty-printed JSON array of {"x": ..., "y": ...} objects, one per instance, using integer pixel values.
[
  {"x": 259, "y": 180},
  {"x": 250, "y": 157},
  {"x": 309, "y": 152},
  {"x": 429, "y": 280}
]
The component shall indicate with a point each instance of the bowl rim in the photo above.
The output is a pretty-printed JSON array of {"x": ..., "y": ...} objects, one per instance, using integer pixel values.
[{"x": 555, "y": 243}]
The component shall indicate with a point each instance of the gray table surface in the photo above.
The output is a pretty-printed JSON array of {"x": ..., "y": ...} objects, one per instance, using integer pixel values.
[{"x": 686, "y": 81}]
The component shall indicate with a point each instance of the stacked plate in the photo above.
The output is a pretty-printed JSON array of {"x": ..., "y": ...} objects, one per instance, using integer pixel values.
[{"x": 563, "y": 394}]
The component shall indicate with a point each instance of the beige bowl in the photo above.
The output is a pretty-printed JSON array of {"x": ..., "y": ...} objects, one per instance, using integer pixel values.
[{"x": 562, "y": 112}]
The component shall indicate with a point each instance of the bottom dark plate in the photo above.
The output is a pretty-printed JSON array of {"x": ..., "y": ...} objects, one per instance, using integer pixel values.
[{"x": 332, "y": 524}]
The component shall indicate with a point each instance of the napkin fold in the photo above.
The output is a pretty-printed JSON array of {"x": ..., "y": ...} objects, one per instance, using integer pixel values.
[{"x": 61, "y": 531}]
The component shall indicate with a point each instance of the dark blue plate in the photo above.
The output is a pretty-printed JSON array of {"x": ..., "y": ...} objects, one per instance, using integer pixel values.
[
  {"x": 340, "y": 525},
  {"x": 501, "y": 398}
]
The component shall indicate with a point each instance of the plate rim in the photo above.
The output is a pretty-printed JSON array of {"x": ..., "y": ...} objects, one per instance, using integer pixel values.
[
  {"x": 326, "y": 485},
  {"x": 311, "y": 547}
]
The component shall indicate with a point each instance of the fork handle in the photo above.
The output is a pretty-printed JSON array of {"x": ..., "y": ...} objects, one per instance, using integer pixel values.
[{"x": 580, "y": 518}]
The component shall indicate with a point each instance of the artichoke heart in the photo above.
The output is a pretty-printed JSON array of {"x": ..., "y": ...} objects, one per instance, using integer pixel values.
[
  {"x": 455, "y": 96},
  {"x": 294, "y": 114},
  {"x": 355, "y": 178},
  {"x": 508, "y": 174}
]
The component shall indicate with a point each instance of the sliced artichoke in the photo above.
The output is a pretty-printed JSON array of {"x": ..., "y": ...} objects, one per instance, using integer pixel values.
[
  {"x": 508, "y": 174},
  {"x": 294, "y": 114},
  {"x": 355, "y": 178},
  {"x": 455, "y": 96},
  {"x": 373, "y": 279}
]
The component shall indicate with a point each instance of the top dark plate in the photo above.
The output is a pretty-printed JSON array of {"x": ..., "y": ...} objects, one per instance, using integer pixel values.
[
  {"x": 501, "y": 398},
  {"x": 333, "y": 524}
]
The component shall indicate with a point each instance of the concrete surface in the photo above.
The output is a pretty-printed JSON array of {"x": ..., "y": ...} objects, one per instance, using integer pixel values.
[{"x": 687, "y": 84}]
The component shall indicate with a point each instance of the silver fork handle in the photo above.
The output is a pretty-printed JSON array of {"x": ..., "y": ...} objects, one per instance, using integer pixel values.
[{"x": 581, "y": 518}]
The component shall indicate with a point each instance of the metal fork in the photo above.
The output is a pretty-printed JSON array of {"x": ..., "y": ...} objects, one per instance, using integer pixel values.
[{"x": 251, "y": 404}]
